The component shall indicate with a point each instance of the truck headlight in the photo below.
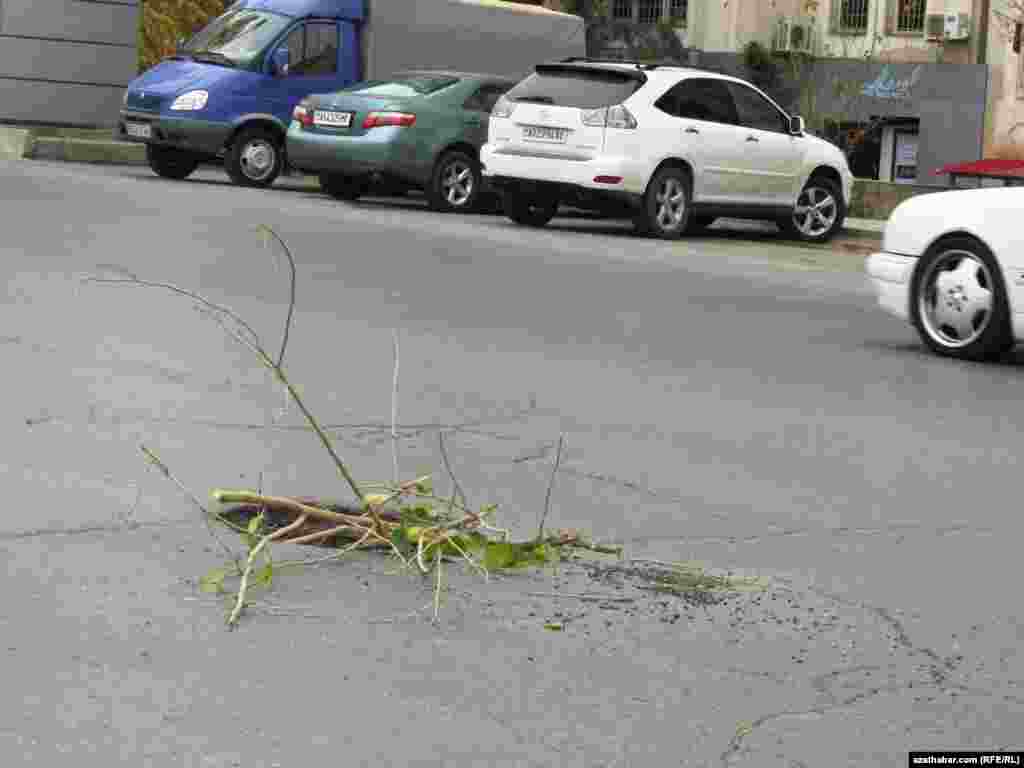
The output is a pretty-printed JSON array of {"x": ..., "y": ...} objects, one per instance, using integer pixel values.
[{"x": 190, "y": 101}]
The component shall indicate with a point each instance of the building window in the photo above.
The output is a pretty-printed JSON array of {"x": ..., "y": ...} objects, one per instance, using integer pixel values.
[
  {"x": 677, "y": 9},
  {"x": 650, "y": 11},
  {"x": 850, "y": 16},
  {"x": 622, "y": 9},
  {"x": 910, "y": 15}
]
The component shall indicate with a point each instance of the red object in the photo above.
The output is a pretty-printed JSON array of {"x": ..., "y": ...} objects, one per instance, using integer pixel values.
[
  {"x": 607, "y": 179},
  {"x": 376, "y": 119},
  {"x": 303, "y": 115},
  {"x": 994, "y": 167}
]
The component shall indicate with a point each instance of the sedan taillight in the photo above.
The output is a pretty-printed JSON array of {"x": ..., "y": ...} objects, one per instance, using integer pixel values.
[
  {"x": 304, "y": 115},
  {"x": 379, "y": 119}
]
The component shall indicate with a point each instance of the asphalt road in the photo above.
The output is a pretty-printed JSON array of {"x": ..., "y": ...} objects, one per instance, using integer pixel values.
[{"x": 730, "y": 399}]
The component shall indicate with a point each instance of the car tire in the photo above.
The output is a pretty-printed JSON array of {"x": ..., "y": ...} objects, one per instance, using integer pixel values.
[
  {"x": 341, "y": 187},
  {"x": 170, "y": 163},
  {"x": 700, "y": 224},
  {"x": 819, "y": 213},
  {"x": 255, "y": 158},
  {"x": 455, "y": 184},
  {"x": 666, "y": 211},
  {"x": 965, "y": 315},
  {"x": 529, "y": 210}
]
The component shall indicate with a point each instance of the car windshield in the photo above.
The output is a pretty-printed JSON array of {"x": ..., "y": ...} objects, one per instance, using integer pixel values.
[
  {"x": 236, "y": 37},
  {"x": 403, "y": 86},
  {"x": 582, "y": 89}
]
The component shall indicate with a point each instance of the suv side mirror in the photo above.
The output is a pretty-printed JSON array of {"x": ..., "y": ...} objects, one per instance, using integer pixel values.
[
  {"x": 280, "y": 60},
  {"x": 796, "y": 126}
]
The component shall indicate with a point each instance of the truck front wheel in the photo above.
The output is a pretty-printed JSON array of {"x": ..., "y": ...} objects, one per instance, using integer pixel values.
[
  {"x": 255, "y": 158},
  {"x": 170, "y": 163}
]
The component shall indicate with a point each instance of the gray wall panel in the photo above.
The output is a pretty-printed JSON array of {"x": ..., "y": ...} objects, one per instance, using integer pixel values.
[
  {"x": 66, "y": 61},
  {"x": 71, "y": 19},
  {"x": 48, "y": 103}
]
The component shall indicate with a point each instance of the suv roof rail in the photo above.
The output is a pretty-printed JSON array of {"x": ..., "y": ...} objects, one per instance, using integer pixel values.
[{"x": 647, "y": 65}]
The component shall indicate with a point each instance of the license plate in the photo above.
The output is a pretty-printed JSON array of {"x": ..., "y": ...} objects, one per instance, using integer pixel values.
[
  {"x": 543, "y": 133},
  {"x": 332, "y": 119},
  {"x": 139, "y": 130}
]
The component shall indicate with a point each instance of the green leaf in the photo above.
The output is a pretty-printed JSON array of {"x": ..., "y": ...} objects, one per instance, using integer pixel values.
[
  {"x": 498, "y": 555},
  {"x": 420, "y": 514},
  {"x": 256, "y": 524},
  {"x": 250, "y": 540},
  {"x": 213, "y": 582},
  {"x": 554, "y": 626},
  {"x": 425, "y": 486},
  {"x": 404, "y": 544},
  {"x": 264, "y": 576}
]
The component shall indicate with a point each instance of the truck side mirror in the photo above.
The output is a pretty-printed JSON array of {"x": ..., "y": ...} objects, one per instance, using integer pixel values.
[
  {"x": 280, "y": 61},
  {"x": 796, "y": 126}
]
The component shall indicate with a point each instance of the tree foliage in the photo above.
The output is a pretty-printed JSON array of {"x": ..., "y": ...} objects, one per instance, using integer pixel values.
[{"x": 164, "y": 22}]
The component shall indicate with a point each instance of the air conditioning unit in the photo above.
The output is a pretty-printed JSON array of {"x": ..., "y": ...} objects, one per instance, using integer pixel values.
[
  {"x": 793, "y": 35},
  {"x": 947, "y": 26}
]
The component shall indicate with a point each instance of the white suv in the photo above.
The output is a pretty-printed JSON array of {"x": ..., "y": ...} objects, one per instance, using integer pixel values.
[{"x": 672, "y": 147}]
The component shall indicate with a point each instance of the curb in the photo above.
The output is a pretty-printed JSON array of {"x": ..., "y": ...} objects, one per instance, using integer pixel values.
[{"x": 75, "y": 150}]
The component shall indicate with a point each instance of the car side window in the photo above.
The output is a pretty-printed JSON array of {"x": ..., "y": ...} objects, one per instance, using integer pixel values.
[
  {"x": 699, "y": 98},
  {"x": 755, "y": 111},
  {"x": 313, "y": 49},
  {"x": 487, "y": 96}
]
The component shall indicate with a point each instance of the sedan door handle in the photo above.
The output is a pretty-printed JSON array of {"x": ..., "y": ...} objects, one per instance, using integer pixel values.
[{"x": 753, "y": 138}]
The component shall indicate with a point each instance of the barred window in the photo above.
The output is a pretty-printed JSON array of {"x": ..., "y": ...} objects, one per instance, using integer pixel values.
[
  {"x": 677, "y": 9},
  {"x": 650, "y": 11},
  {"x": 910, "y": 15},
  {"x": 850, "y": 15},
  {"x": 622, "y": 9}
]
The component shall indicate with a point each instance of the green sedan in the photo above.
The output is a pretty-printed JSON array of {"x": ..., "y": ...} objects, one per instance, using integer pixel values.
[{"x": 418, "y": 130}]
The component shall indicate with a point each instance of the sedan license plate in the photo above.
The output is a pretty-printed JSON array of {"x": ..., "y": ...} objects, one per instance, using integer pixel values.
[
  {"x": 139, "y": 130},
  {"x": 544, "y": 133},
  {"x": 332, "y": 119}
]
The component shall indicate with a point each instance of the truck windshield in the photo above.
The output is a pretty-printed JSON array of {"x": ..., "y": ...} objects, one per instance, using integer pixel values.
[
  {"x": 579, "y": 88},
  {"x": 403, "y": 87},
  {"x": 237, "y": 37}
]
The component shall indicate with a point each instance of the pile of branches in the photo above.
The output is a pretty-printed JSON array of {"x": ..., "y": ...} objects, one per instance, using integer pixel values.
[{"x": 405, "y": 519}]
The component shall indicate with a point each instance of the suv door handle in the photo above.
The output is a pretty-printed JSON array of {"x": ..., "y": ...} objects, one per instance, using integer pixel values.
[
  {"x": 753, "y": 138},
  {"x": 691, "y": 129}
]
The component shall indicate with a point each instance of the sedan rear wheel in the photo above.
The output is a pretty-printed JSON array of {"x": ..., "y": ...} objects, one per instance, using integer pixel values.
[
  {"x": 958, "y": 301},
  {"x": 455, "y": 185}
]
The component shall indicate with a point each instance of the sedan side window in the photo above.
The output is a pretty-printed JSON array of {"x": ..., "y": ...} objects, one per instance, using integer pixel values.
[
  {"x": 699, "y": 99},
  {"x": 486, "y": 97},
  {"x": 756, "y": 112},
  {"x": 313, "y": 49}
]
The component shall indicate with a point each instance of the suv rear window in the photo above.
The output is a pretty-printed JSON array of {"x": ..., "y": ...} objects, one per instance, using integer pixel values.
[
  {"x": 403, "y": 87},
  {"x": 582, "y": 89}
]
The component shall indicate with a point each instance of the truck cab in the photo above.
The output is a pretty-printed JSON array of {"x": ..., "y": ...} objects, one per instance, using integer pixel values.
[{"x": 229, "y": 91}]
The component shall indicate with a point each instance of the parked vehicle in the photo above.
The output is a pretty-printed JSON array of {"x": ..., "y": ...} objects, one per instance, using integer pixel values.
[
  {"x": 420, "y": 129},
  {"x": 229, "y": 92},
  {"x": 951, "y": 265},
  {"x": 672, "y": 147}
]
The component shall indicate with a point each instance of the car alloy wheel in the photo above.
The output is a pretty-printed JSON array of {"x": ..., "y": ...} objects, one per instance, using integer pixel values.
[
  {"x": 958, "y": 302},
  {"x": 666, "y": 209},
  {"x": 457, "y": 183},
  {"x": 816, "y": 211}
]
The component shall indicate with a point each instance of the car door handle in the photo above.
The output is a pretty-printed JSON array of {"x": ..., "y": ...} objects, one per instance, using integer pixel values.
[
  {"x": 692, "y": 130},
  {"x": 753, "y": 138}
]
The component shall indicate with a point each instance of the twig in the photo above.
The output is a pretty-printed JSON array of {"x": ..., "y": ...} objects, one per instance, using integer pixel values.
[
  {"x": 394, "y": 408},
  {"x": 251, "y": 561},
  {"x": 291, "y": 291},
  {"x": 438, "y": 565},
  {"x": 456, "y": 488},
  {"x": 595, "y": 598},
  {"x": 166, "y": 472},
  {"x": 281, "y": 502},
  {"x": 551, "y": 484}
]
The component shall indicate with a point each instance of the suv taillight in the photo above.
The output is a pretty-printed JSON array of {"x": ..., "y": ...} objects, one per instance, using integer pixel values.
[
  {"x": 502, "y": 108},
  {"x": 303, "y": 114},
  {"x": 610, "y": 117},
  {"x": 378, "y": 119}
]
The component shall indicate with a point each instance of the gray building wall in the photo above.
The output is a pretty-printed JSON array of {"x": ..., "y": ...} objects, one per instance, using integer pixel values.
[{"x": 66, "y": 62}]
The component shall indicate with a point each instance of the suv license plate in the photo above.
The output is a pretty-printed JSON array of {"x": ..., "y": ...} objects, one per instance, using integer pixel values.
[
  {"x": 332, "y": 119},
  {"x": 139, "y": 130},
  {"x": 543, "y": 133}
]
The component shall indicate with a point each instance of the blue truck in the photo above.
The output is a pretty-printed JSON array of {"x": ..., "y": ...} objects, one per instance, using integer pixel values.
[{"x": 227, "y": 95}]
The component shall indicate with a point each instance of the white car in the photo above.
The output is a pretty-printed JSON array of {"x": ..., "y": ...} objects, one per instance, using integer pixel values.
[
  {"x": 952, "y": 265},
  {"x": 672, "y": 147}
]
